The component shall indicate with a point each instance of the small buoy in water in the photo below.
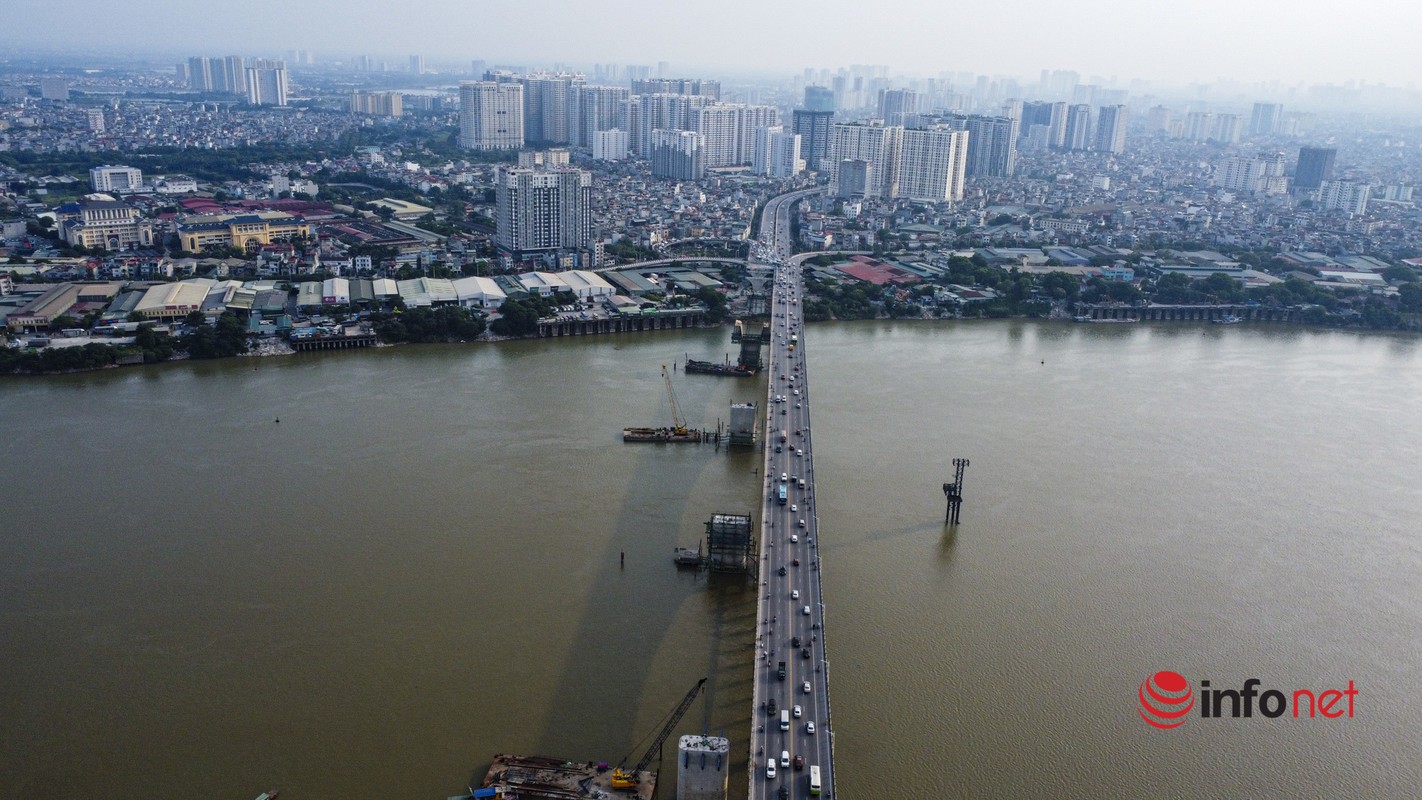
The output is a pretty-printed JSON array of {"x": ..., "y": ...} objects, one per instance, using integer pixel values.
[{"x": 278, "y": 421}]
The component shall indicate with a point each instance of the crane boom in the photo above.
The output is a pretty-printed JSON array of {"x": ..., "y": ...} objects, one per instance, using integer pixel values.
[
  {"x": 628, "y": 780},
  {"x": 680, "y": 427}
]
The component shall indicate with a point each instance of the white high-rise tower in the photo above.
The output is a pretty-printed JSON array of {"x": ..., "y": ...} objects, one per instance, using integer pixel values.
[{"x": 490, "y": 115}]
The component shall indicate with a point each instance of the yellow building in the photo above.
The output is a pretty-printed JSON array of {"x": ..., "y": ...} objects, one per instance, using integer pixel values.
[
  {"x": 242, "y": 231},
  {"x": 104, "y": 225}
]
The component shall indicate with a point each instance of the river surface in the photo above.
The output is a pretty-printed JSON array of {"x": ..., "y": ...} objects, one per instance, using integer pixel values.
[{"x": 420, "y": 565}]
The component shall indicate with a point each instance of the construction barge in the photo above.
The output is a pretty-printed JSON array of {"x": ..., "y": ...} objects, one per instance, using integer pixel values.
[
  {"x": 543, "y": 778},
  {"x": 726, "y": 369},
  {"x": 678, "y": 433},
  {"x": 669, "y": 435}
]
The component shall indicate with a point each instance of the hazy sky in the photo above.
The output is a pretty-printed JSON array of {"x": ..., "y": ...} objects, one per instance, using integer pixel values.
[{"x": 1200, "y": 40}]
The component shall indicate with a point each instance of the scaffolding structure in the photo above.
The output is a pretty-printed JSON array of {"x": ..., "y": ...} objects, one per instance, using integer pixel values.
[
  {"x": 730, "y": 543},
  {"x": 750, "y": 342}
]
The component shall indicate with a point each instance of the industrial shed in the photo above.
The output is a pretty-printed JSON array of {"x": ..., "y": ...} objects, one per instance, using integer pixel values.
[
  {"x": 479, "y": 292},
  {"x": 587, "y": 285}
]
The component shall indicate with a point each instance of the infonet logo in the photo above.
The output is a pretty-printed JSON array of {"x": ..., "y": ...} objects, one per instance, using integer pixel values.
[{"x": 1166, "y": 700}]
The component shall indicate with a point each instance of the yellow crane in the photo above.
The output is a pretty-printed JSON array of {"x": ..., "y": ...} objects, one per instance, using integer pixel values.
[
  {"x": 679, "y": 427},
  {"x": 627, "y": 779}
]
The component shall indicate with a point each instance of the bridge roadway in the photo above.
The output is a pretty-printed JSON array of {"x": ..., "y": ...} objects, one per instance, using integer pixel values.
[{"x": 790, "y": 606}]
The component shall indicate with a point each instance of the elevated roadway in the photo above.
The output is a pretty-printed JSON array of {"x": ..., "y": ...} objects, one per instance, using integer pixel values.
[{"x": 791, "y": 715}]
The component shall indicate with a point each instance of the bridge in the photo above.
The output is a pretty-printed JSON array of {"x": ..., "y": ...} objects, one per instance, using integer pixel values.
[
  {"x": 666, "y": 262},
  {"x": 790, "y": 612}
]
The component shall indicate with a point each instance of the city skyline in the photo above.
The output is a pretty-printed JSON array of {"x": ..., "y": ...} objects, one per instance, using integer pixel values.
[{"x": 1317, "y": 44}]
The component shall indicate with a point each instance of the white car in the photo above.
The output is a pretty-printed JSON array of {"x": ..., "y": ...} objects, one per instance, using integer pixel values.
[
  {"x": 796, "y": 713},
  {"x": 770, "y": 770},
  {"x": 795, "y": 538},
  {"x": 802, "y": 524},
  {"x": 794, "y": 594},
  {"x": 794, "y": 508},
  {"x": 806, "y": 687},
  {"x": 810, "y": 728},
  {"x": 807, "y": 611},
  {"x": 784, "y": 759}
]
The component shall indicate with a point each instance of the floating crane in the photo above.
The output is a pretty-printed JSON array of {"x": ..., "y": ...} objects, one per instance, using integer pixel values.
[
  {"x": 679, "y": 427},
  {"x": 628, "y": 779}
]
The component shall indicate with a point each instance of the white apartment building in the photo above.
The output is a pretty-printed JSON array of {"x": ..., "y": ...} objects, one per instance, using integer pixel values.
[
  {"x": 1346, "y": 196},
  {"x": 874, "y": 149},
  {"x": 753, "y": 118},
  {"x": 777, "y": 153},
  {"x": 932, "y": 165},
  {"x": 1199, "y": 125},
  {"x": 730, "y": 130},
  {"x": 1262, "y": 173},
  {"x": 596, "y": 108},
  {"x": 650, "y": 112},
  {"x": 266, "y": 83},
  {"x": 679, "y": 155},
  {"x": 609, "y": 145},
  {"x": 490, "y": 115},
  {"x": 720, "y": 127},
  {"x": 546, "y": 208}
]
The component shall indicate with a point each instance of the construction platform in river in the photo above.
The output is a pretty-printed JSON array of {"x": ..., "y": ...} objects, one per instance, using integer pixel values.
[
  {"x": 542, "y": 778},
  {"x": 678, "y": 433},
  {"x": 671, "y": 435}
]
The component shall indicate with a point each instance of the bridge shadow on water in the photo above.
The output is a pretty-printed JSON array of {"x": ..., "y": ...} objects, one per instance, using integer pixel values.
[{"x": 607, "y": 678}]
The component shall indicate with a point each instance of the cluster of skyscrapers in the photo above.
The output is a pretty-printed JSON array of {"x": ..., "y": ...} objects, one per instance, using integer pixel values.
[
  {"x": 380, "y": 104},
  {"x": 508, "y": 110},
  {"x": 1062, "y": 126},
  {"x": 877, "y": 160},
  {"x": 1265, "y": 174},
  {"x": 263, "y": 82},
  {"x": 1266, "y": 119}
]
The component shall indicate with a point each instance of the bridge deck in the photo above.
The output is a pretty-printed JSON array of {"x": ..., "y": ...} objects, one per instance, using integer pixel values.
[{"x": 790, "y": 606}]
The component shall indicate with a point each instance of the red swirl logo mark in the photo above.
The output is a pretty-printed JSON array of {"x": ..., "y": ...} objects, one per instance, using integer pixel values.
[{"x": 1166, "y": 698}]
